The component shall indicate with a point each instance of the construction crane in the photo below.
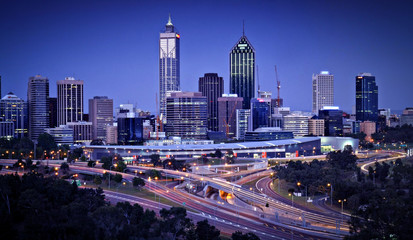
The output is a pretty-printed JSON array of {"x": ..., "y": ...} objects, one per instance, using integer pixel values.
[
  {"x": 229, "y": 120},
  {"x": 278, "y": 87}
]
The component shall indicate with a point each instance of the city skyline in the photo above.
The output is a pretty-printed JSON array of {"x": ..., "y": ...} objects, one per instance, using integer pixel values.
[{"x": 56, "y": 47}]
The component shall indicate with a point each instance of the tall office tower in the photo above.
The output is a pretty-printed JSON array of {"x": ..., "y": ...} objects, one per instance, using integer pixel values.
[
  {"x": 14, "y": 109},
  {"x": 227, "y": 119},
  {"x": 101, "y": 115},
  {"x": 186, "y": 115},
  {"x": 333, "y": 121},
  {"x": 296, "y": 123},
  {"x": 366, "y": 97},
  {"x": 52, "y": 112},
  {"x": 112, "y": 134},
  {"x": 169, "y": 63},
  {"x": 69, "y": 101},
  {"x": 323, "y": 90},
  {"x": 38, "y": 103},
  {"x": 260, "y": 113},
  {"x": 212, "y": 87},
  {"x": 6, "y": 130},
  {"x": 243, "y": 119},
  {"x": 242, "y": 71}
]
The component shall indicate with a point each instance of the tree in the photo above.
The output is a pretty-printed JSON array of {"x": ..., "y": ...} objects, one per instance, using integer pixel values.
[
  {"x": 238, "y": 235},
  {"x": 154, "y": 173},
  {"x": 204, "y": 231},
  {"x": 120, "y": 166},
  {"x": 91, "y": 163},
  {"x": 64, "y": 167},
  {"x": 218, "y": 153},
  {"x": 107, "y": 162},
  {"x": 138, "y": 182},
  {"x": 97, "y": 180},
  {"x": 118, "y": 178},
  {"x": 155, "y": 159},
  {"x": 46, "y": 142},
  {"x": 174, "y": 223}
]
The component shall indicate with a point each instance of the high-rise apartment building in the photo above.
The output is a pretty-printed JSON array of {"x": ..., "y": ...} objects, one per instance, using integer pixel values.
[
  {"x": 38, "y": 103},
  {"x": 323, "y": 90},
  {"x": 212, "y": 87},
  {"x": 82, "y": 132},
  {"x": 366, "y": 97},
  {"x": 101, "y": 115},
  {"x": 242, "y": 71},
  {"x": 186, "y": 115},
  {"x": 69, "y": 101},
  {"x": 14, "y": 109},
  {"x": 169, "y": 63},
  {"x": 228, "y": 105}
]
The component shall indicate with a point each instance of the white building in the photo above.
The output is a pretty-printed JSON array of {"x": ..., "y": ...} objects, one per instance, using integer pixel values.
[
  {"x": 69, "y": 101},
  {"x": 323, "y": 90},
  {"x": 298, "y": 124}
]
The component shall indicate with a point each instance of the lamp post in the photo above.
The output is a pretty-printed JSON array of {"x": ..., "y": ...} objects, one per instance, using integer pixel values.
[
  {"x": 342, "y": 210},
  {"x": 292, "y": 199},
  {"x": 331, "y": 193},
  {"x": 299, "y": 184}
]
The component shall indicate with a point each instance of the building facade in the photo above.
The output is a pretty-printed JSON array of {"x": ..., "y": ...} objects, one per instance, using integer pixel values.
[
  {"x": 407, "y": 117},
  {"x": 323, "y": 90},
  {"x": 212, "y": 87},
  {"x": 169, "y": 63},
  {"x": 267, "y": 134},
  {"x": 112, "y": 134},
  {"x": 260, "y": 113},
  {"x": 6, "y": 130},
  {"x": 316, "y": 126},
  {"x": 52, "y": 112},
  {"x": 62, "y": 134},
  {"x": 298, "y": 124},
  {"x": 368, "y": 127},
  {"x": 186, "y": 115},
  {"x": 242, "y": 71},
  {"x": 38, "y": 104},
  {"x": 82, "y": 132},
  {"x": 333, "y": 121},
  {"x": 14, "y": 109},
  {"x": 243, "y": 119},
  {"x": 366, "y": 98},
  {"x": 228, "y": 105},
  {"x": 69, "y": 101},
  {"x": 101, "y": 115}
]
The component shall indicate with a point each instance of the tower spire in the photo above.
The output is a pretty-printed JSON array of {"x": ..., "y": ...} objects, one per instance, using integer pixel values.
[
  {"x": 169, "y": 21},
  {"x": 243, "y": 28}
]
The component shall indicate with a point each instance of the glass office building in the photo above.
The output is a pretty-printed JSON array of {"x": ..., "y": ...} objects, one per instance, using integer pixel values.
[
  {"x": 38, "y": 103},
  {"x": 366, "y": 98},
  {"x": 260, "y": 113},
  {"x": 242, "y": 71},
  {"x": 333, "y": 121},
  {"x": 14, "y": 109}
]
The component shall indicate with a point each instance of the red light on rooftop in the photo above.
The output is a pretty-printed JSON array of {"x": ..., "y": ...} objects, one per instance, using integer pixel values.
[{"x": 178, "y": 36}]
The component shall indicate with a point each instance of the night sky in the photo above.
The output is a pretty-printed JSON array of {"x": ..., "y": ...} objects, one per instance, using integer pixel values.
[{"x": 113, "y": 45}]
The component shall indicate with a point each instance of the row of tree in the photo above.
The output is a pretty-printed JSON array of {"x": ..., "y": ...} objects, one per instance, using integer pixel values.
[{"x": 36, "y": 207}]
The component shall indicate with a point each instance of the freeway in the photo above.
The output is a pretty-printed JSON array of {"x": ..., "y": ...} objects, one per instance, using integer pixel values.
[{"x": 382, "y": 158}]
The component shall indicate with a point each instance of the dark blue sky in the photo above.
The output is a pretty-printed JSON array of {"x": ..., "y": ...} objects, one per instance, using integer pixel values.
[{"x": 113, "y": 45}]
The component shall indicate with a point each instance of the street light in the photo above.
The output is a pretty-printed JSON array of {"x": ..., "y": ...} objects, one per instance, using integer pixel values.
[
  {"x": 342, "y": 209},
  {"x": 292, "y": 199},
  {"x": 331, "y": 193},
  {"x": 299, "y": 184}
]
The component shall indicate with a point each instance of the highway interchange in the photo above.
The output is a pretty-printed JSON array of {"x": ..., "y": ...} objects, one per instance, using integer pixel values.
[{"x": 279, "y": 220}]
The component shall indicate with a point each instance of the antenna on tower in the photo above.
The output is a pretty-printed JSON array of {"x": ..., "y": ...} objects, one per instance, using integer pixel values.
[
  {"x": 278, "y": 87},
  {"x": 258, "y": 83}
]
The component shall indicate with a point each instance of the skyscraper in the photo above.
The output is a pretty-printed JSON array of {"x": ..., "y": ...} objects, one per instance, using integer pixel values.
[
  {"x": 69, "y": 101},
  {"x": 242, "y": 70},
  {"x": 366, "y": 98},
  {"x": 38, "y": 102},
  {"x": 14, "y": 109},
  {"x": 169, "y": 63},
  {"x": 333, "y": 120},
  {"x": 260, "y": 113},
  {"x": 101, "y": 115},
  {"x": 227, "y": 113},
  {"x": 212, "y": 87},
  {"x": 323, "y": 90},
  {"x": 186, "y": 115}
]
